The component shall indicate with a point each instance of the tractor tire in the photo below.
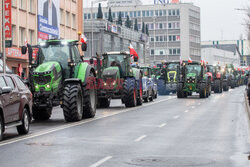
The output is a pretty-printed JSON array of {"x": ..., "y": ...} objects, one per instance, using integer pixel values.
[
  {"x": 140, "y": 92},
  {"x": 217, "y": 86},
  {"x": 89, "y": 98},
  {"x": 146, "y": 99},
  {"x": 162, "y": 87},
  {"x": 203, "y": 90},
  {"x": 24, "y": 128},
  {"x": 151, "y": 98},
  {"x": 232, "y": 84},
  {"x": 129, "y": 92},
  {"x": 72, "y": 102},
  {"x": 103, "y": 103},
  {"x": 42, "y": 113},
  {"x": 180, "y": 93},
  {"x": 225, "y": 86}
]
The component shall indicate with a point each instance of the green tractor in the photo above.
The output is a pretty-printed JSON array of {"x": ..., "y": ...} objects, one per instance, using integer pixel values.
[
  {"x": 193, "y": 78},
  {"x": 167, "y": 82},
  {"x": 231, "y": 75},
  {"x": 59, "y": 76},
  {"x": 117, "y": 79}
]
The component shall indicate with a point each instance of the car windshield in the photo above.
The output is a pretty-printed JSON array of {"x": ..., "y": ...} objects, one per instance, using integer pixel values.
[
  {"x": 193, "y": 69},
  {"x": 172, "y": 67},
  {"x": 57, "y": 53},
  {"x": 1, "y": 67}
]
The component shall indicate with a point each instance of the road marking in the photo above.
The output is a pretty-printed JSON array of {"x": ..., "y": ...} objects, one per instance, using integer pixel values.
[
  {"x": 193, "y": 107},
  {"x": 70, "y": 125},
  {"x": 176, "y": 117},
  {"x": 162, "y": 125},
  {"x": 186, "y": 111},
  {"x": 199, "y": 104},
  {"x": 101, "y": 161},
  {"x": 140, "y": 138}
]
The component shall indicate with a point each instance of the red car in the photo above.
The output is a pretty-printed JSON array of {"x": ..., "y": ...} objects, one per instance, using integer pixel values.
[{"x": 15, "y": 104}]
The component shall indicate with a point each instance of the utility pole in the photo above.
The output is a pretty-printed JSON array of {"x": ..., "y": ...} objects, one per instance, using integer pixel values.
[{"x": 3, "y": 36}]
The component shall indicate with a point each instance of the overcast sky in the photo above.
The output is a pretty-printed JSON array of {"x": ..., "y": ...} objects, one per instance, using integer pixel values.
[{"x": 219, "y": 19}]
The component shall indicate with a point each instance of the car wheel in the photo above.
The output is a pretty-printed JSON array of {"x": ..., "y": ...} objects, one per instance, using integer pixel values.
[
  {"x": 24, "y": 128},
  {"x": 1, "y": 128}
]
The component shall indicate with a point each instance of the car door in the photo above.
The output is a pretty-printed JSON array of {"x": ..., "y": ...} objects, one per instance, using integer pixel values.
[
  {"x": 15, "y": 99},
  {"x": 5, "y": 99}
]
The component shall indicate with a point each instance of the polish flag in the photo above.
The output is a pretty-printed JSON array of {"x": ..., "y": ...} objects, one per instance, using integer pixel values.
[
  {"x": 132, "y": 51},
  {"x": 83, "y": 39},
  {"x": 25, "y": 42},
  {"x": 180, "y": 60},
  {"x": 190, "y": 60},
  {"x": 20, "y": 70}
]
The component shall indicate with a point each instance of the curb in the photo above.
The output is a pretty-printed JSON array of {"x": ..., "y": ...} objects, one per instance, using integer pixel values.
[{"x": 248, "y": 113}]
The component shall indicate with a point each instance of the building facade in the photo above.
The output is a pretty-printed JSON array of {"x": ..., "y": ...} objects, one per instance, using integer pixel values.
[
  {"x": 116, "y": 3},
  {"x": 174, "y": 28},
  {"x": 24, "y": 17},
  {"x": 242, "y": 45}
]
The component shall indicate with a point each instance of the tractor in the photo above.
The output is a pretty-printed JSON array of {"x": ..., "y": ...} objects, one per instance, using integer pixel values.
[
  {"x": 217, "y": 80},
  {"x": 167, "y": 82},
  {"x": 193, "y": 78},
  {"x": 59, "y": 77},
  {"x": 230, "y": 75},
  {"x": 149, "y": 85},
  {"x": 117, "y": 79}
]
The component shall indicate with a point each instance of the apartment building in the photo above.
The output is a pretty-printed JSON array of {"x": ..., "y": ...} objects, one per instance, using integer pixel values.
[
  {"x": 174, "y": 28},
  {"x": 27, "y": 26}
]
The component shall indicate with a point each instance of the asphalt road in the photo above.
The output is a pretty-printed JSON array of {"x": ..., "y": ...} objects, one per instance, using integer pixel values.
[{"x": 168, "y": 132}]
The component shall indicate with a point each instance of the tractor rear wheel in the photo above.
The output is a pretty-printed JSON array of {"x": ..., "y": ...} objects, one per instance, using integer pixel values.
[
  {"x": 140, "y": 92},
  {"x": 41, "y": 113},
  {"x": 203, "y": 90},
  {"x": 225, "y": 86},
  {"x": 232, "y": 84},
  {"x": 89, "y": 97},
  {"x": 129, "y": 92},
  {"x": 72, "y": 102},
  {"x": 217, "y": 86},
  {"x": 180, "y": 93},
  {"x": 103, "y": 102}
]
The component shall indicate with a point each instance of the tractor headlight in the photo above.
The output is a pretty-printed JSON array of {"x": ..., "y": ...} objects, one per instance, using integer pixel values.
[
  {"x": 105, "y": 84},
  {"x": 114, "y": 83},
  {"x": 36, "y": 86},
  {"x": 130, "y": 70},
  {"x": 48, "y": 86}
]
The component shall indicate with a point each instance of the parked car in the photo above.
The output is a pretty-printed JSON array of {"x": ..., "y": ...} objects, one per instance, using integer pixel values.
[{"x": 15, "y": 104}]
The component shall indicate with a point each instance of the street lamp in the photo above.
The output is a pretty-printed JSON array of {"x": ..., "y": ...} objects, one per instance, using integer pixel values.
[{"x": 92, "y": 32}]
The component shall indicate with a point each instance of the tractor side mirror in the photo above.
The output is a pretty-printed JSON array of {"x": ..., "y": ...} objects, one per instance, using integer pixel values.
[
  {"x": 91, "y": 61},
  {"x": 84, "y": 47},
  {"x": 30, "y": 51},
  {"x": 135, "y": 59},
  {"x": 24, "y": 50}
]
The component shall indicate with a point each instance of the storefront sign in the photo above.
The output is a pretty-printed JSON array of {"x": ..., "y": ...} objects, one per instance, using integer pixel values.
[
  {"x": 15, "y": 53},
  {"x": 7, "y": 14}
]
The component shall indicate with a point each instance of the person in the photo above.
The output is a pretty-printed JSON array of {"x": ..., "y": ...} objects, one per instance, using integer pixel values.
[{"x": 50, "y": 12}]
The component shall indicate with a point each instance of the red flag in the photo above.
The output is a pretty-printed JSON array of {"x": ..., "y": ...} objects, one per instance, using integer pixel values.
[
  {"x": 20, "y": 70},
  {"x": 83, "y": 39},
  {"x": 132, "y": 51},
  {"x": 180, "y": 60},
  {"x": 190, "y": 60}
]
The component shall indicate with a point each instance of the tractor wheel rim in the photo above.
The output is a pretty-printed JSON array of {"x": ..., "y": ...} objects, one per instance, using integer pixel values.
[
  {"x": 26, "y": 121},
  {"x": 92, "y": 98}
]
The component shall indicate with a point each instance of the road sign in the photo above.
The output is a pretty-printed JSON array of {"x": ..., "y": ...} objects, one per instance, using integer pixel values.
[{"x": 8, "y": 43}]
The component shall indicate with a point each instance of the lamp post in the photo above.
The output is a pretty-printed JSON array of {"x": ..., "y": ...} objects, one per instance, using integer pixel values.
[{"x": 92, "y": 19}]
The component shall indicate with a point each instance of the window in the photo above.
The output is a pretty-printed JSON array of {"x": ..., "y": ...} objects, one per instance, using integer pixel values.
[
  {"x": 174, "y": 51},
  {"x": 32, "y": 6},
  {"x": 13, "y": 2},
  {"x": 67, "y": 19},
  {"x": 161, "y": 38},
  {"x": 173, "y": 12},
  {"x": 31, "y": 36},
  {"x": 73, "y": 21},
  {"x": 156, "y": 13},
  {"x": 14, "y": 70},
  {"x": 89, "y": 16},
  {"x": 161, "y": 52},
  {"x": 113, "y": 15},
  {"x": 143, "y": 13},
  {"x": 85, "y": 15},
  {"x": 139, "y": 13},
  {"x": 22, "y": 4},
  {"x": 2, "y": 82},
  {"x": 174, "y": 38},
  {"x": 160, "y": 26},
  {"x": 62, "y": 18},
  {"x": 169, "y": 25},
  {"x": 169, "y": 38},
  {"x": 152, "y": 51},
  {"x": 130, "y": 14},
  {"x": 106, "y": 15},
  {"x": 169, "y": 12},
  {"x": 147, "y": 13},
  {"x": 13, "y": 27},
  {"x": 160, "y": 12},
  {"x": 157, "y": 38},
  {"x": 170, "y": 51},
  {"x": 164, "y": 12},
  {"x": 9, "y": 82},
  {"x": 178, "y": 51},
  {"x": 135, "y": 14},
  {"x": 152, "y": 39},
  {"x": 178, "y": 12},
  {"x": 22, "y": 36},
  {"x": 151, "y": 13}
]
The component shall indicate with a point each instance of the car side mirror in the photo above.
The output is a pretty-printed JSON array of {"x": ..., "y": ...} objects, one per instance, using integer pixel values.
[
  {"x": 84, "y": 47},
  {"x": 24, "y": 50},
  {"x": 135, "y": 59},
  {"x": 6, "y": 90},
  {"x": 91, "y": 61}
]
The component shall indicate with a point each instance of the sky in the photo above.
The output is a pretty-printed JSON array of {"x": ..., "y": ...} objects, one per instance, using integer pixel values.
[{"x": 219, "y": 18}]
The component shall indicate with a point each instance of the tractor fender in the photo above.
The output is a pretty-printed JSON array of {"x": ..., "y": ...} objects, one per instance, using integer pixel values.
[
  {"x": 83, "y": 72},
  {"x": 72, "y": 80}
]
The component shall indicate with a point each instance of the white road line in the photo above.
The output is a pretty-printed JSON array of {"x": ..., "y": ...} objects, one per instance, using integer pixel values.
[
  {"x": 176, "y": 117},
  {"x": 186, "y": 111},
  {"x": 70, "y": 125},
  {"x": 101, "y": 161},
  {"x": 193, "y": 107},
  {"x": 199, "y": 104},
  {"x": 140, "y": 138},
  {"x": 162, "y": 125}
]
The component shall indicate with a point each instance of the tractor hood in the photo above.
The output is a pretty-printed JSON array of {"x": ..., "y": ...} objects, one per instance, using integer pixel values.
[
  {"x": 48, "y": 67},
  {"x": 191, "y": 75},
  {"x": 111, "y": 73}
]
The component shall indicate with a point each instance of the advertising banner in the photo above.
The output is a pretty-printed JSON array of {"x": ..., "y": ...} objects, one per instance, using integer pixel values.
[
  {"x": 48, "y": 19},
  {"x": 7, "y": 14}
]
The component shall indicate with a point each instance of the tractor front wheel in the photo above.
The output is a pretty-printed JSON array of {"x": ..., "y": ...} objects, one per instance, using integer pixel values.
[
  {"x": 217, "y": 86},
  {"x": 129, "y": 92},
  {"x": 203, "y": 90},
  {"x": 180, "y": 93}
]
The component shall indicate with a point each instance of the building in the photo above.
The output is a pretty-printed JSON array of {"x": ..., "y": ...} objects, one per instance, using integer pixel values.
[
  {"x": 174, "y": 29},
  {"x": 25, "y": 26},
  {"x": 226, "y": 54},
  {"x": 109, "y": 37},
  {"x": 116, "y": 3},
  {"x": 243, "y": 47}
]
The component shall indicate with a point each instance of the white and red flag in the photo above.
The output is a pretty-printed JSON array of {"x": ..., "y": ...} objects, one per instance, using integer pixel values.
[
  {"x": 190, "y": 60},
  {"x": 132, "y": 51},
  {"x": 180, "y": 60},
  {"x": 83, "y": 39}
]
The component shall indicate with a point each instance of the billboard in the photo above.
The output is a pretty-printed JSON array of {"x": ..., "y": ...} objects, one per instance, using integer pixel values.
[{"x": 48, "y": 19}]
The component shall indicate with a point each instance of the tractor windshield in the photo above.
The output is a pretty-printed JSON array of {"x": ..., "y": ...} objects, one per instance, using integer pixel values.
[
  {"x": 193, "y": 69},
  {"x": 114, "y": 60},
  {"x": 210, "y": 69},
  {"x": 172, "y": 67},
  {"x": 57, "y": 53},
  {"x": 145, "y": 71}
]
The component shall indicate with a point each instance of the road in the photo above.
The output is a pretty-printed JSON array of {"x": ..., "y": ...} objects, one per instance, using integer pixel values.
[{"x": 168, "y": 132}]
